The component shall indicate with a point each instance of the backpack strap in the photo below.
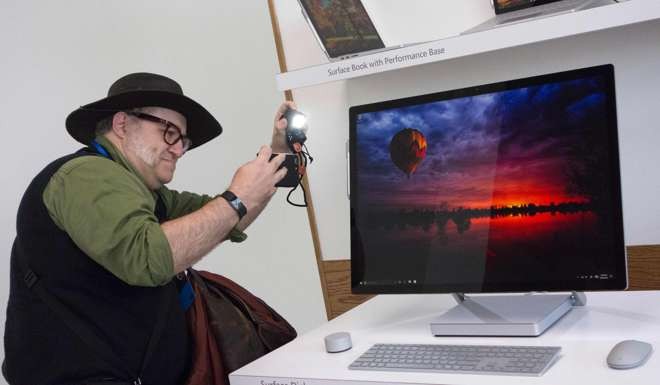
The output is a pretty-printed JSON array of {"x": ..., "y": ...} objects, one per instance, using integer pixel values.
[
  {"x": 82, "y": 330},
  {"x": 91, "y": 339}
]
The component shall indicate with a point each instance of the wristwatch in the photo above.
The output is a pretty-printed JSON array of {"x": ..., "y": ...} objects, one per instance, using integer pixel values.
[{"x": 235, "y": 203}]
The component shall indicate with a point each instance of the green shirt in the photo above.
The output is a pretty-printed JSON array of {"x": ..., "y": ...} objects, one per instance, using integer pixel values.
[{"x": 108, "y": 211}]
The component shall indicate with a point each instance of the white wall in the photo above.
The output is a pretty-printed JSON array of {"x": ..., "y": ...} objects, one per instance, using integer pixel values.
[{"x": 57, "y": 55}]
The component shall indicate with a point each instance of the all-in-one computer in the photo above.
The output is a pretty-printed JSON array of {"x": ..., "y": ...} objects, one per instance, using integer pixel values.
[{"x": 510, "y": 187}]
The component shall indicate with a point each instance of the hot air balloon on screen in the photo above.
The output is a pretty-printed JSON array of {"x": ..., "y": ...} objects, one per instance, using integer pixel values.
[{"x": 408, "y": 149}]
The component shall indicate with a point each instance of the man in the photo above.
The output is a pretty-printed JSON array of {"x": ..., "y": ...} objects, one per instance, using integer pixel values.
[{"x": 94, "y": 297}]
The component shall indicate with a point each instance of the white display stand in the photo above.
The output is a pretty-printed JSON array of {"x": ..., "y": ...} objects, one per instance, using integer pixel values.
[
  {"x": 586, "y": 334},
  {"x": 569, "y": 24},
  {"x": 510, "y": 315}
]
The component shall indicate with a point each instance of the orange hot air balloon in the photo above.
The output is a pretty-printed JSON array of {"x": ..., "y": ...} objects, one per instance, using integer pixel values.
[{"x": 408, "y": 149}]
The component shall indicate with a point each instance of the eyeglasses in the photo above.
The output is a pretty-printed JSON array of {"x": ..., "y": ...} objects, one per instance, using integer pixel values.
[{"x": 172, "y": 133}]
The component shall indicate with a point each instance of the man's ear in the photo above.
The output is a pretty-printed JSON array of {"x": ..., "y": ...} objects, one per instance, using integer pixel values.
[{"x": 119, "y": 124}]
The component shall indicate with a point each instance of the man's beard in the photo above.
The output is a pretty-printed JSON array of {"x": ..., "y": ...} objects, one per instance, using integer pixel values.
[{"x": 148, "y": 155}]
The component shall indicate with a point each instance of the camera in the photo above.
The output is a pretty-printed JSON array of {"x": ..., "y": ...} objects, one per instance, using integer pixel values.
[
  {"x": 291, "y": 162},
  {"x": 296, "y": 129}
]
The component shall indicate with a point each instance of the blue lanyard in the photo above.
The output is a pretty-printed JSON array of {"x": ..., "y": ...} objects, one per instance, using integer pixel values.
[
  {"x": 100, "y": 149},
  {"x": 186, "y": 296}
]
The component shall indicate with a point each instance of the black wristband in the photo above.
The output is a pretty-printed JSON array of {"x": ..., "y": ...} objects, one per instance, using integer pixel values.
[{"x": 235, "y": 203}]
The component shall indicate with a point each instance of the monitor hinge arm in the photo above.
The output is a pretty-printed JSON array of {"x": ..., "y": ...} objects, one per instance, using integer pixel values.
[
  {"x": 459, "y": 297},
  {"x": 578, "y": 298}
]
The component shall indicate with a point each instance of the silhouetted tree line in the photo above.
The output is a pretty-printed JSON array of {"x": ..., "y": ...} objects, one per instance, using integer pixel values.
[{"x": 461, "y": 217}]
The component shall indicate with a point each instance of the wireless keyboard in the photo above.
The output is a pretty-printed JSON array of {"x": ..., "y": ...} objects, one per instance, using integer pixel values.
[{"x": 470, "y": 359}]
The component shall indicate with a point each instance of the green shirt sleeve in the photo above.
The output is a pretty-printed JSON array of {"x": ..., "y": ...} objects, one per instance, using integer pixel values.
[
  {"x": 182, "y": 203},
  {"x": 109, "y": 214},
  {"x": 179, "y": 204}
]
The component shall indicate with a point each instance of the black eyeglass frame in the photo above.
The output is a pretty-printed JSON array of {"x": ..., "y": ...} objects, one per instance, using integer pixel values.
[{"x": 185, "y": 141}]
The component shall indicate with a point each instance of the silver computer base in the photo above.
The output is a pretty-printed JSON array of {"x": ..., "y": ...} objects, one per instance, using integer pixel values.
[{"x": 505, "y": 315}]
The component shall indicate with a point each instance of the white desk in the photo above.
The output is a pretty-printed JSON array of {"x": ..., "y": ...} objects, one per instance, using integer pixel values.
[{"x": 586, "y": 334}]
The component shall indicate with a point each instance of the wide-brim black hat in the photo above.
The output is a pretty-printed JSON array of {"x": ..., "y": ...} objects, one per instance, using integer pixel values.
[{"x": 144, "y": 90}]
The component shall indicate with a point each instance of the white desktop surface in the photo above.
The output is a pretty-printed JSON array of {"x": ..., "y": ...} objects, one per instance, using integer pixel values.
[{"x": 586, "y": 335}]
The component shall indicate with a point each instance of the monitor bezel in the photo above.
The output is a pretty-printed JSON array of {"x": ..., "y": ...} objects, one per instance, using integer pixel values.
[
  {"x": 322, "y": 39},
  {"x": 620, "y": 281}
]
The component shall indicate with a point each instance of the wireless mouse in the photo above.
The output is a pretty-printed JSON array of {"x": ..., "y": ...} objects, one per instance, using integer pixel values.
[
  {"x": 338, "y": 342},
  {"x": 629, "y": 354}
]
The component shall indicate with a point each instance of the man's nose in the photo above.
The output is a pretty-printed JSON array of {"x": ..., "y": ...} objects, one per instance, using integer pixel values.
[{"x": 177, "y": 149}]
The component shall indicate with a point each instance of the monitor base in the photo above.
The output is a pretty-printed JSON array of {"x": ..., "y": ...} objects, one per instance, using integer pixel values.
[{"x": 505, "y": 315}]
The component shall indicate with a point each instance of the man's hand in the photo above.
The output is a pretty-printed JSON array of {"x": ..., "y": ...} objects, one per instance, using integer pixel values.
[
  {"x": 254, "y": 182},
  {"x": 278, "y": 143}
]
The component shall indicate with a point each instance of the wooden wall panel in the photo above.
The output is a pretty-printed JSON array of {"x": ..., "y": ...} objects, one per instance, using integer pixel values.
[
  {"x": 644, "y": 267},
  {"x": 643, "y": 274},
  {"x": 338, "y": 285}
]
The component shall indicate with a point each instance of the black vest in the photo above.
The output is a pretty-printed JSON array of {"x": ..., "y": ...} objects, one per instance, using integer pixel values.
[{"x": 41, "y": 349}]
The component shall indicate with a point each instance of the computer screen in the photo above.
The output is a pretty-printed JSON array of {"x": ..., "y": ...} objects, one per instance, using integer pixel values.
[
  {"x": 342, "y": 27},
  {"x": 505, "y": 187}
]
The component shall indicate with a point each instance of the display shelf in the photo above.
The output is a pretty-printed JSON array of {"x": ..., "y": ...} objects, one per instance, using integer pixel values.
[{"x": 589, "y": 20}]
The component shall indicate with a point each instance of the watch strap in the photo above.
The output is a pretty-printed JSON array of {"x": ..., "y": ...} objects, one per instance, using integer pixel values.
[{"x": 235, "y": 203}]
